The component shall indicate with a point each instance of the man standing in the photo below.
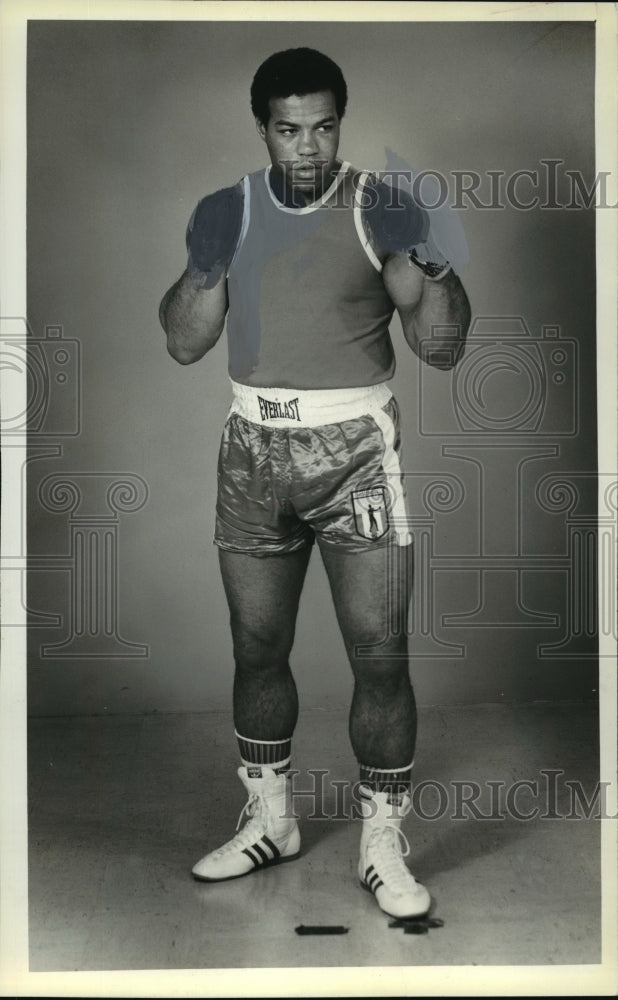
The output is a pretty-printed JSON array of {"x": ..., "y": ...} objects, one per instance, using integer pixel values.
[{"x": 308, "y": 261}]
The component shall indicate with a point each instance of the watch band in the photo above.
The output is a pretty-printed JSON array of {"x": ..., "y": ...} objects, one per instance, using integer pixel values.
[{"x": 429, "y": 268}]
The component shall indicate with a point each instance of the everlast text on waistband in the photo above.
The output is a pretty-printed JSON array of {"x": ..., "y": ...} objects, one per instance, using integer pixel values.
[{"x": 273, "y": 409}]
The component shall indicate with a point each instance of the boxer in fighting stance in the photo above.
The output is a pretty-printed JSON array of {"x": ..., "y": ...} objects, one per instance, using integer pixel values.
[{"x": 308, "y": 261}]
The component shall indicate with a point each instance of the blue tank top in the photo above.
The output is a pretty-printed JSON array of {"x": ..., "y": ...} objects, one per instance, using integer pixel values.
[{"x": 307, "y": 304}]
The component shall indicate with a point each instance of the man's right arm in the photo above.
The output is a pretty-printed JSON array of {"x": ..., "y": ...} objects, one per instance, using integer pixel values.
[
  {"x": 193, "y": 316},
  {"x": 193, "y": 310}
]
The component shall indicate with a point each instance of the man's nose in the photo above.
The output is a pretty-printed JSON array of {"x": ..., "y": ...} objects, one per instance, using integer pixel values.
[{"x": 307, "y": 145}]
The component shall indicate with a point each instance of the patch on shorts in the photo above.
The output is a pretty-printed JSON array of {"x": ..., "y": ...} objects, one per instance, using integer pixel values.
[{"x": 370, "y": 513}]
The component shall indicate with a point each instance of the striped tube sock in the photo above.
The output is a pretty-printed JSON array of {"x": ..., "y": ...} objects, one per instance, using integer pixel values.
[
  {"x": 392, "y": 780},
  {"x": 275, "y": 754}
]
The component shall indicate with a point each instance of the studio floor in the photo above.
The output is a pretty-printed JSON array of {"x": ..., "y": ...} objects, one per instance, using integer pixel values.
[{"x": 121, "y": 807}]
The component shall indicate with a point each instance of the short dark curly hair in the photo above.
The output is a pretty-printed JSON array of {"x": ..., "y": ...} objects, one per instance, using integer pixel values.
[{"x": 296, "y": 71}]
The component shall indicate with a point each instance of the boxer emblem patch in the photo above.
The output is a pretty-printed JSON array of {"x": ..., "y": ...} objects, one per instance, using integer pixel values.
[{"x": 370, "y": 513}]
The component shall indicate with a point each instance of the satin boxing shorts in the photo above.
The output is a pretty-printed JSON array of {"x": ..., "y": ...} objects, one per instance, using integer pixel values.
[{"x": 300, "y": 465}]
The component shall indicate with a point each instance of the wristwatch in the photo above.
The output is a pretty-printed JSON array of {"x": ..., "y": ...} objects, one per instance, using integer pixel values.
[{"x": 432, "y": 269}]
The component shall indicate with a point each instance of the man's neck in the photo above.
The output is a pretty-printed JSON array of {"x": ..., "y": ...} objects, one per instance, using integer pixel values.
[{"x": 295, "y": 198}]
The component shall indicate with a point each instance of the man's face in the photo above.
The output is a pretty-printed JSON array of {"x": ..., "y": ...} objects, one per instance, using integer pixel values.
[{"x": 302, "y": 138}]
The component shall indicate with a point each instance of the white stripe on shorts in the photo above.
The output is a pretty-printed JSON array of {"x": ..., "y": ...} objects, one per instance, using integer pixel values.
[{"x": 391, "y": 466}]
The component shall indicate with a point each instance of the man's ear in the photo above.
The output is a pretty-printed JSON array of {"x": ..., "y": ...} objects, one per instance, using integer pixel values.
[{"x": 261, "y": 128}]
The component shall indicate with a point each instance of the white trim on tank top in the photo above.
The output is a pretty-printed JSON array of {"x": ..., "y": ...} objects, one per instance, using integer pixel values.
[
  {"x": 357, "y": 210},
  {"x": 246, "y": 215},
  {"x": 358, "y": 222}
]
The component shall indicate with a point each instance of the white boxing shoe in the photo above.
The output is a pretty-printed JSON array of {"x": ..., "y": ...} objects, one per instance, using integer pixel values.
[
  {"x": 383, "y": 847},
  {"x": 269, "y": 836}
]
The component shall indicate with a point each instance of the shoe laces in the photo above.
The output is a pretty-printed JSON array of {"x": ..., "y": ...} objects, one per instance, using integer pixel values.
[
  {"x": 248, "y": 834},
  {"x": 391, "y": 846}
]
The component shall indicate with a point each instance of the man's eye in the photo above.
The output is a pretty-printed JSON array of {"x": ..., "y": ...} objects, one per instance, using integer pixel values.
[
  {"x": 286, "y": 131},
  {"x": 326, "y": 128}
]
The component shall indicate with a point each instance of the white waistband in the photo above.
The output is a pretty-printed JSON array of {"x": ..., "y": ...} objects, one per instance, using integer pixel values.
[{"x": 306, "y": 407}]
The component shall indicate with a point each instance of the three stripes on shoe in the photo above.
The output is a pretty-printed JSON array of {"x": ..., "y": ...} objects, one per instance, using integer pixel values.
[
  {"x": 372, "y": 879},
  {"x": 263, "y": 852}
]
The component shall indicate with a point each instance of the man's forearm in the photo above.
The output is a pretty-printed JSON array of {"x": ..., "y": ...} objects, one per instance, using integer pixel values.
[
  {"x": 192, "y": 316},
  {"x": 440, "y": 322}
]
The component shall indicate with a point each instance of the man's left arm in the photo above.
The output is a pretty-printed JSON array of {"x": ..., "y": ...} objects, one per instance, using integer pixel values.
[{"x": 434, "y": 311}]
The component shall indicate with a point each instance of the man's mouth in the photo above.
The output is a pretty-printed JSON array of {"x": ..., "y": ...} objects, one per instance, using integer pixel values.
[{"x": 307, "y": 167}]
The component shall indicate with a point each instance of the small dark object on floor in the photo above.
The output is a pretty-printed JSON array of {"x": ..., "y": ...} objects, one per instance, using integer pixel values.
[
  {"x": 416, "y": 928},
  {"x": 416, "y": 925},
  {"x": 321, "y": 929}
]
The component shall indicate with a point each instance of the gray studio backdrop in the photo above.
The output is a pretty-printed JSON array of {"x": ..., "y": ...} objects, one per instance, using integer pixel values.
[{"x": 129, "y": 124}]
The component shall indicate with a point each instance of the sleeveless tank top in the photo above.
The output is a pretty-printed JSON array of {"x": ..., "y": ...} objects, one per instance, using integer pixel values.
[{"x": 307, "y": 304}]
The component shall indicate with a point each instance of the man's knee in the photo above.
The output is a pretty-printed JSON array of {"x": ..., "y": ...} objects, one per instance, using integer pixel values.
[
  {"x": 260, "y": 646},
  {"x": 376, "y": 636}
]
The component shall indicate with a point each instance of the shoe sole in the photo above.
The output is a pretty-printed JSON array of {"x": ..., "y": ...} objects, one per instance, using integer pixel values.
[
  {"x": 252, "y": 871},
  {"x": 395, "y": 916}
]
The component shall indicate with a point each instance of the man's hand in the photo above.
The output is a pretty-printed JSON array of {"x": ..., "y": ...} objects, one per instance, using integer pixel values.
[
  {"x": 193, "y": 310},
  {"x": 213, "y": 233},
  {"x": 394, "y": 221},
  {"x": 429, "y": 297}
]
